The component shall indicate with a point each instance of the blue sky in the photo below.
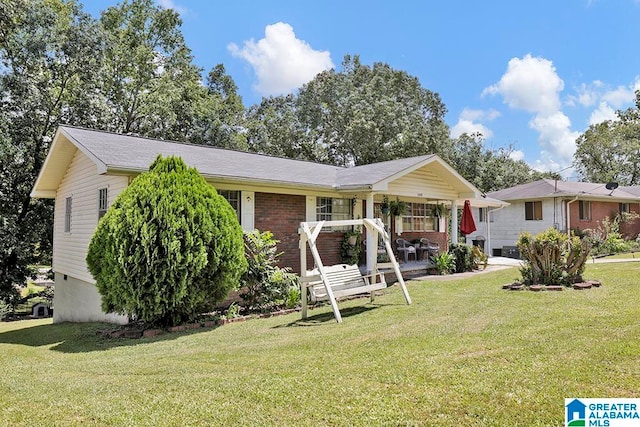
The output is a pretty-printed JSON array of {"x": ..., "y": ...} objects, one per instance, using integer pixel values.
[{"x": 531, "y": 74}]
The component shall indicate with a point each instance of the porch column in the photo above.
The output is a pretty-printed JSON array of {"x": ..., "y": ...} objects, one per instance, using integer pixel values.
[
  {"x": 454, "y": 222},
  {"x": 372, "y": 240}
]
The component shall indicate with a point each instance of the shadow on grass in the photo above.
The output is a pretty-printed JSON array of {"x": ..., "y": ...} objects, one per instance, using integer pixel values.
[
  {"x": 323, "y": 318},
  {"x": 80, "y": 337}
]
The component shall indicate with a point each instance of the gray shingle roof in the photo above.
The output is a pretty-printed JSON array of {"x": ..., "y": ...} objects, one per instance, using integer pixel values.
[
  {"x": 133, "y": 153},
  {"x": 545, "y": 188}
]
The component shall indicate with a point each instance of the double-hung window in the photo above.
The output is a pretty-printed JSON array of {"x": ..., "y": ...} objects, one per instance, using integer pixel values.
[
  {"x": 584, "y": 208},
  {"x": 533, "y": 211},
  {"x": 334, "y": 209},
  {"x": 417, "y": 218},
  {"x": 103, "y": 202},
  {"x": 233, "y": 197}
]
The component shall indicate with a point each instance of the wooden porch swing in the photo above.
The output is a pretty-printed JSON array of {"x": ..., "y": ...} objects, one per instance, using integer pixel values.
[{"x": 332, "y": 282}]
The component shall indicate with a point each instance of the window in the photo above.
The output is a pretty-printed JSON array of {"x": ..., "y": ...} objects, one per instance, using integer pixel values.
[
  {"x": 482, "y": 215},
  {"x": 332, "y": 209},
  {"x": 233, "y": 197},
  {"x": 533, "y": 211},
  {"x": 103, "y": 202},
  {"x": 67, "y": 215},
  {"x": 624, "y": 208},
  {"x": 585, "y": 210},
  {"x": 417, "y": 218}
]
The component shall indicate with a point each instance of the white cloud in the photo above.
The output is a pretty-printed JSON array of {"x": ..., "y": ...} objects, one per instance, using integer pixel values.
[
  {"x": 532, "y": 84},
  {"x": 281, "y": 61},
  {"x": 170, "y": 4},
  {"x": 517, "y": 155},
  {"x": 619, "y": 96},
  {"x": 529, "y": 84},
  {"x": 603, "y": 113},
  {"x": 556, "y": 137},
  {"x": 469, "y": 127},
  {"x": 467, "y": 123}
]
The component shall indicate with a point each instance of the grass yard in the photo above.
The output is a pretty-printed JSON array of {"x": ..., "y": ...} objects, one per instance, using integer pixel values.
[{"x": 466, "y": 353}]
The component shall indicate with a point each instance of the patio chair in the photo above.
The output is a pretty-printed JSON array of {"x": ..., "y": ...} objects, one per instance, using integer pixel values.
[
  {"x": 429, "y": 247},
  {"x": 406, "y": 249}
]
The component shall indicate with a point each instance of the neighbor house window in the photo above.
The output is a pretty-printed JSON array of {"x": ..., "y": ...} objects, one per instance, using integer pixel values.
[
  {"x": 333, "y": 209},
  {"x": 103, "y": 202},
  {"x": 533, "y": 211},
  {"x": 416, "y": 218},
  {"x": 67, "y": 215},
  {"x": 233, "y": 197},
  {"x": 482, "y": 215},
  {"x": 584, "y": 208},
  {"x": 624, "y": 208}
]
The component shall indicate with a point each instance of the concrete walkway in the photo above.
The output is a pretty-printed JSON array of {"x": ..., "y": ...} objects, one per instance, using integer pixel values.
[{"x": 501, "y": 263}]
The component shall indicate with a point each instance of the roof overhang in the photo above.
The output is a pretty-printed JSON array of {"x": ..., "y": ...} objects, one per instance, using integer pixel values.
[{"x": 55, "y": 165}]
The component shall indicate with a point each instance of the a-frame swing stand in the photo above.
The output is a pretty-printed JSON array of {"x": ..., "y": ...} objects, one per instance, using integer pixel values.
[{"x": 343, "y": 280}]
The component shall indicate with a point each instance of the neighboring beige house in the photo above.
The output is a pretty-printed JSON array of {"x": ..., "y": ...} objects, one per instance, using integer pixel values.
[
  {"x": 85, "y": 171},
  {"x": 565, "y": 205}
]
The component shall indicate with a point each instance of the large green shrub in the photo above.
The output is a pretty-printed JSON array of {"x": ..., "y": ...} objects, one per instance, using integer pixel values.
[
  {"x": 264, "y": 284},
  {"x": 463, "y": 254},
  {"x": 169, "y": 248},
  {"x": 552, "y": 258}
]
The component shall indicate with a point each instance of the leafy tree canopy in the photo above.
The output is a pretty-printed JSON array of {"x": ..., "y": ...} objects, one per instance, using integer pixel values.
[{"x": 610, "y": 151}]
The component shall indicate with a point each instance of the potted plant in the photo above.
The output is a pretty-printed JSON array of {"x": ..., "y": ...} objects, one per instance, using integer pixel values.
[
  {"x": 384, "y": 206},
  {"x": 397, "y": 207},
  {"x": 439, "y": 210},
  {"x": 351, "y": 247}
]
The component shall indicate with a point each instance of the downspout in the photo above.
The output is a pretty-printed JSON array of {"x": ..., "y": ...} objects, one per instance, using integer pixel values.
[
  {"x": 568, "y": 214},
  {"x": 489, "y": 227}
]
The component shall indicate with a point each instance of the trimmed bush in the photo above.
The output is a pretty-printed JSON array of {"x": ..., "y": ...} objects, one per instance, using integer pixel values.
[
  {"x": 552, "y": 258},
  {"x": 169, "y": 248}
]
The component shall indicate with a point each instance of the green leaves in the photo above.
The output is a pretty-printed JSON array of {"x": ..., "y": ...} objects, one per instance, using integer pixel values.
[{"x": 168, "y": 248}]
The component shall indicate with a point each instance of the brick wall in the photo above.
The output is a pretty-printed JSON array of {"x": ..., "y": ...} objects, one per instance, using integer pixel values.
[
  {"x": 599, "y": 210},
  {"x": 282, "y": 214}
]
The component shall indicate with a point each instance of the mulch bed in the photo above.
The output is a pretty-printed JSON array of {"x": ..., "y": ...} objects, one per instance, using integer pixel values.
[
  {"x": 140, "y": 331},
  {"x": 517, "y": 286}
]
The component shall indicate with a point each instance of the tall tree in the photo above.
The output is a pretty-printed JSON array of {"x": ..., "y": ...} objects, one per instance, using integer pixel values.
[
  {"x": 362, "y": 114},
  {"x": 610, "y": 151},
  {"x": 490, "y": 170},
  {"x": 49, "y": 50},
  {"x": 149, "y": 82},
  {"x": 274, "y": 129}
]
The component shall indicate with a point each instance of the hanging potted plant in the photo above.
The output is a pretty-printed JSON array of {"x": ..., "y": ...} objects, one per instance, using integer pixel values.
[
  {"x": 384, "y": 206},
  {"x": 439, "y": 210},
  {"x": 351, "y": 247},
  {"x": 397, "y": 207}
]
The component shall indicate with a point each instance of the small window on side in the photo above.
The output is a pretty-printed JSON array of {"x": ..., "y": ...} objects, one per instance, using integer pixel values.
[
  {"x": 67, "y": 215},
  {"x": 103, "y": 202}
]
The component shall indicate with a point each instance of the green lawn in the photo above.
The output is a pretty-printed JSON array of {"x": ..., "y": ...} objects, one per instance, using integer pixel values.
[{"x": 465, "y": 353}]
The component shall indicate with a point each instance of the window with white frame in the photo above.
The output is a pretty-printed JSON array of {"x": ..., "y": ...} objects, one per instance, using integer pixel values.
[
  {"x": 103, "y": 202},
  {"x": 233, "y": 197},
  {"x": 417, "y": 218},
  {"x": 584, "y": 208},
  {"x": 67, "y": 215},
  {"x": 334, "y": 209}
]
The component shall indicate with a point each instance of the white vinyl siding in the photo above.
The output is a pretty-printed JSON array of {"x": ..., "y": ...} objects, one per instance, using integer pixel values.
[
  {"x": 423, "y": 183},
  {"x": 82, "y": 182}
]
